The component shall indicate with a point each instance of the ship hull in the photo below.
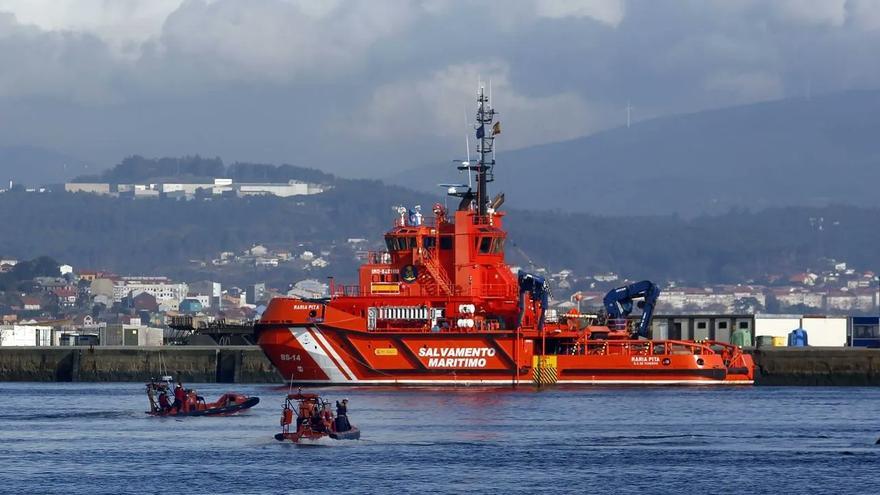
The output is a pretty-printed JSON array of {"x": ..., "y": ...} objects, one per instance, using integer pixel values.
[{"x": 316, "y": 354}]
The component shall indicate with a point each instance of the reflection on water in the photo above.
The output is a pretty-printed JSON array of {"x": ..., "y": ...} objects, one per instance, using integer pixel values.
[{"x": 95, "y": 438}]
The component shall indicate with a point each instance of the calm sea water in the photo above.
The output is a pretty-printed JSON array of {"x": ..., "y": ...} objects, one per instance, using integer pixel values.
[{"x": 95, "y": 438}]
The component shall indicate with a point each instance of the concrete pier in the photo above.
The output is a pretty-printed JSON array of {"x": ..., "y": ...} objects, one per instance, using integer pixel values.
[
  {"x": 836, "y": 366},
  {"x": 248, "y": 364},
  {"x": 209, "y": 364}
]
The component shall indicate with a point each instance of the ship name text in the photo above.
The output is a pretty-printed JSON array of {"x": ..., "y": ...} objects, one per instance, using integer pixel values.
[
  {"x": 645, "y": 360},
  {"x": 456, "y": 357}
]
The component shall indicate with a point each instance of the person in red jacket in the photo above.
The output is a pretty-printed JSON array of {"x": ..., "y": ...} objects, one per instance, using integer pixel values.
[
  {"x": 179, "y": 397},
  {"x": 164, "y": 406}
]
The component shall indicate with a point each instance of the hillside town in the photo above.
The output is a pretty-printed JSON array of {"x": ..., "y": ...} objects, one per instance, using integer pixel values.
[{"x": 84, "y": 306}]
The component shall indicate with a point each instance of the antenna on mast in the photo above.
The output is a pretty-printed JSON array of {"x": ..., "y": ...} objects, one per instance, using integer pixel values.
[
  {"x": 486, "y": 129},
  {"x": 467, "y": 146}
]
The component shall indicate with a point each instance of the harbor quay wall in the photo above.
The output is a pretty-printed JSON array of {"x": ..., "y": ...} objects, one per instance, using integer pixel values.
[
  {"x": 823, "y": 366},
  {"x": 208, "y": 364},
  {"x": 247, "y": 364}
]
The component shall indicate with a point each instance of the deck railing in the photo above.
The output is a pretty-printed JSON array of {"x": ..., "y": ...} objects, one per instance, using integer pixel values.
[{"x": 634, "y": 348}]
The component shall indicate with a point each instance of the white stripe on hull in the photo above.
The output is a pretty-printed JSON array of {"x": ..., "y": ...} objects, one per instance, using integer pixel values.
[
  {"x": 345, "y": 369},
  {"x": 310, "y": 345}
]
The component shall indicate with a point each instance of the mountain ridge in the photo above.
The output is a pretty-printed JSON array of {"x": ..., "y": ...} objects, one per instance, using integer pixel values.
[{"x": 790, "y": 152}]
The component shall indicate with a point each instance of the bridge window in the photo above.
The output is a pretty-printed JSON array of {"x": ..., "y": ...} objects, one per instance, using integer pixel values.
[
  {"x": 498, "y": 246},
  {"x": 446, "y": 242},
  {"x": 400, "y": 243},
  {"x": 485, "y": 245},
  {"x": 429, "y": 242}
]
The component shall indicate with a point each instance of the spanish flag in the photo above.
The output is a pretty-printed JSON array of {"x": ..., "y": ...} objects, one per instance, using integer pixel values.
[{"x": 496, "y": 128}]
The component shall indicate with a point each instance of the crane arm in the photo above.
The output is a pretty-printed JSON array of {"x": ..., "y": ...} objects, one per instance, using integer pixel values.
[
  {"x": 539, "y": 291},
  {"x": 619, "y": 302}
]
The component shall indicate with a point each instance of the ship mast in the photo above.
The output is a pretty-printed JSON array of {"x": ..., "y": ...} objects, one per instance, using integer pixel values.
[
  {"x": 485, "y": 142},
  {"x": 486, "y": 128}
]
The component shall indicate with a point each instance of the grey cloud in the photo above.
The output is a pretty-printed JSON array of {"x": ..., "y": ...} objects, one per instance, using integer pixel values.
[
  {"x": 276, "y": 41},
  {"x": 371, "y": 87},
  {"x": 64, "y": 65}
]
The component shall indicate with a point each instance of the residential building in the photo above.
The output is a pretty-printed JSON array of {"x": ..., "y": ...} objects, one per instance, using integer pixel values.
[
  {"x": 256, "y": 293},
  {"x": 66, "y": 297},
  {"x": 159, "y": 287},
  {"x": 30, "y": 303},
  {"x": 25, "y": 335}
]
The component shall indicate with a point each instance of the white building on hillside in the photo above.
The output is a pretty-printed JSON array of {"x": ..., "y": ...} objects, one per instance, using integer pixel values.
[
  {"x": 292, "y": 188},
  {"x": 159, "y": 287}
]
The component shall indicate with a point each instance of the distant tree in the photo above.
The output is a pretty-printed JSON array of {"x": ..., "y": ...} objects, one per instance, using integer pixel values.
[
  {"x": 747, "y": 305},
  {"x": 24, "y": 271},
  {"x": 137, "y": 169},
  {"x": 98, "y": 308}
]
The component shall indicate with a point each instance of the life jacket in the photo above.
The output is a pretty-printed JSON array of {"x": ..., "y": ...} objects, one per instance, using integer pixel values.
[{"x": 287, "y": 416}]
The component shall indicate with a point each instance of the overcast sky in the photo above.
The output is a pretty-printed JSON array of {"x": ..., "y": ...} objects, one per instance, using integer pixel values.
[{"x": 364, "y": 88}]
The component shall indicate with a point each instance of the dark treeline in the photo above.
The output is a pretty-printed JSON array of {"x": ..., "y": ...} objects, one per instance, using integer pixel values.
[
  {"x": 195, "y": 168},
  {"x": 26, "y": 270},
  {"x": 736, "y": 247},
  {"x": 162, "y": 235}
]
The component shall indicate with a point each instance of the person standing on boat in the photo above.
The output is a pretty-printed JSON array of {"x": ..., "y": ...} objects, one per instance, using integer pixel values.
[
  {"x": 342, "y": 423},
  {"x": 179, "y": 397},
  {"x": 305, "y": 413},
  {"x": 164, "y": 405}
]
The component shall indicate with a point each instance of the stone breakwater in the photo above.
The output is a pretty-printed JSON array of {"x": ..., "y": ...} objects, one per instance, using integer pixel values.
[{"x": 247, "y": 364}]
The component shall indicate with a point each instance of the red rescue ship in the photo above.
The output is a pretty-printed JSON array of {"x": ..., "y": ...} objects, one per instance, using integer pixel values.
[{"x": 441, "y": 307}]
